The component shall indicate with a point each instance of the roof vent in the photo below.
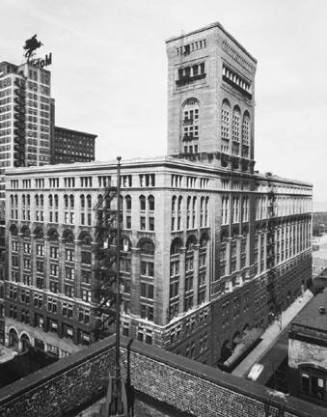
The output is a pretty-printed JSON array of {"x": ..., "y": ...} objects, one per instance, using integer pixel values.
[{"x": 322, "y": 310}]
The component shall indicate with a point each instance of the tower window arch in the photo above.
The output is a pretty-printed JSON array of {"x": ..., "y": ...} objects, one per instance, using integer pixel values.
[
  {"x": 236, "y": 130},
  {"x": 245, "y": 134},
  {"x": 225, "y": 126},
  {"x": 190, "y": 121}
]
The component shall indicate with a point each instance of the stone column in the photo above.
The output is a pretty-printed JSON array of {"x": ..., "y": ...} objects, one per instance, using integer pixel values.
[
  {"x": 181, "y": 291},
  {"x": 33, "y": 259},
  {"x": 20, "y": 256},
  {"x": 77, "y": 260},
  {"x": 135, "y": 281},
  {"x": 196, "y": 274},
  {"x": 46, "y": 263},
  {"x": 61, "y": 263},
  {"x": 228, "y": 255}
]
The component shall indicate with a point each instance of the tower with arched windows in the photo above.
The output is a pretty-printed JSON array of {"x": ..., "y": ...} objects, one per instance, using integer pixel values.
[{"x": 211, "y": 99}]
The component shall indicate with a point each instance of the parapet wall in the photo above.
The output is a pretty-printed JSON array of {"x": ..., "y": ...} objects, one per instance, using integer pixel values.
[{"x": 189, "y": 386}]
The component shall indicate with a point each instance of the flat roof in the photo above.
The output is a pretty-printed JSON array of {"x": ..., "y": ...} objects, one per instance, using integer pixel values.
[
  {"x": 310, "y": 316},
  {"x": 210, "y": 26},
  {"x": 79, "y": 132},
  {"x": 272, "y": 177},
  {"x": 156, "y": 161}
]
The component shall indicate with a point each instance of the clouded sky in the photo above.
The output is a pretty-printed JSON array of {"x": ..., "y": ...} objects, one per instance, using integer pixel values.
[{"x": 109, "y": 72}]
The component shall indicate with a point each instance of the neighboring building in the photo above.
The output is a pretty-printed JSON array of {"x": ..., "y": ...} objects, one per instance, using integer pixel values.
[
  {"x": 72, "y": 146},
  {"x": 307, "y": 352},
  {"x": 25, "y": 128},
  {"x": 216, "y": 250}
]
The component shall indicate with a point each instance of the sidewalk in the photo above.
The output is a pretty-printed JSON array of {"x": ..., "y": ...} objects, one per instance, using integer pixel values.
[{"x": 271, "y": 334}]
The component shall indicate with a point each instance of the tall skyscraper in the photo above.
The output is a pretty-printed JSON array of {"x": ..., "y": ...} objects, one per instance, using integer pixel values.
[{"x": 25, "y": 127}]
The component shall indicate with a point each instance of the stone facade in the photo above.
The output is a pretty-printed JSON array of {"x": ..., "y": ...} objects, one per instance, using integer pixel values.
[{"x": 203, "y": 260}]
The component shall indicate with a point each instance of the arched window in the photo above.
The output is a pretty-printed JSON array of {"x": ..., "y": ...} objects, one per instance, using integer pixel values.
[
  {"x": 175, "y": 246},
  {"x": 128, "y": 202},
  {"x": 89, "y": 201},
  {"x": 193, "y": 212},
  {"x": 246, "y": 128},
  {"x": 151, "y": 202},
  {"x": 146, "y": 247},
  {"x": 245, "y": 135},
  {"x": 50, "y": 200},
  {"x": 236, "y": 130},
  {"x": 190, "y": 120},
  {"x": 225, "y": 126},
  {"x": 188, "y": 212},
  {"x": 173, "y": 212},
  {"x": 82, "y": 198},
  {"x": 173, "y": 204},
  {"x": 142, "y": 203}
]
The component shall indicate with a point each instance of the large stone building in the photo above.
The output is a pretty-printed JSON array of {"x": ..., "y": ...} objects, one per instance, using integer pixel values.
[
  {"x": 307, "y": 352},
  {"x": 215, "y": 250}
]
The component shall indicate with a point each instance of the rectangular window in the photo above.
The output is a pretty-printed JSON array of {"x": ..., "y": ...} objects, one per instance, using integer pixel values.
[
  {"x": 54, "y": 270},
  {"x": 39, "y": 266},
  {"x": 70, "y": 273},
  {"x": 40, "y": 250},
  {"x": 86, "y": 257},
  {"x": 69, "y": 255},
  {"x": 53, "y": 252},
  {"x": 147, "y": 268},
  {"x": 86, "y": 295},
  {"x": 86, "y": 276},
  {"x": 69, "y": 291},
  {"x": 151, "y": 223},
  {"x": 147, "y": 290},
  {"x": 54, "y": 286},
  {"x": 142, "y": 223},
  {"x": 146, "y": 312}
]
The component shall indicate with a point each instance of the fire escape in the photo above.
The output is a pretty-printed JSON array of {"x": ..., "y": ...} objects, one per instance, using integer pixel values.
[
  {"x": 105, "y": 268},
  {"x": 272, "y": 273},
  {"x": 19, "y": 123},
  {"x": 107, "y": 292}
]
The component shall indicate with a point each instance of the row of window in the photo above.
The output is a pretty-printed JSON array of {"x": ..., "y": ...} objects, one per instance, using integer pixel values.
[
  {"x": 196, "y": 212},
  {"x": 145, "y": 180},
  {"x": 235, "y": 128}
]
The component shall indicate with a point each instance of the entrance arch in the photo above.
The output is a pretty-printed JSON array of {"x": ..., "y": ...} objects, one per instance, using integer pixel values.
[
  {"x": 13, "y": 339},
  {"x": 25, "y": 342}
]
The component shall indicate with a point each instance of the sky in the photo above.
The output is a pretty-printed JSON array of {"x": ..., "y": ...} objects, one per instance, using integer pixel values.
[{"x": 109, "y": 72}]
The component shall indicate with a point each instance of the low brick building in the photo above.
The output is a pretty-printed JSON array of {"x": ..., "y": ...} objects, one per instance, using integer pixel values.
[{"x": 307, "y": 352}]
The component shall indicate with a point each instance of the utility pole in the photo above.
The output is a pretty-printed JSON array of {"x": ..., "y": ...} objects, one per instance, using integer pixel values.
[{"x": 116, "y": 399}]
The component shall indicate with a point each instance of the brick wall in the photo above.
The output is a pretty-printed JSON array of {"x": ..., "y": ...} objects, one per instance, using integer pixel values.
[{"x": 76, "y": 381}]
